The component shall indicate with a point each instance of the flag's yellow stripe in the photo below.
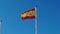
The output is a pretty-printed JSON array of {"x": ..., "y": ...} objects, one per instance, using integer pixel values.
[
  {"x": 23, "y": 15},
  {"x": 32, "y": 13},
  {"x": 29, "y": 13}
]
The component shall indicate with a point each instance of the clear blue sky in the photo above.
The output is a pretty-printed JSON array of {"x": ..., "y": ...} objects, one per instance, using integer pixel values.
[{"x": 48, "y": 13}]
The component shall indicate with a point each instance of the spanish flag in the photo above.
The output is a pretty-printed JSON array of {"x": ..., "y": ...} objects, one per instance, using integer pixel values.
[{"x": 30, "y": 14}]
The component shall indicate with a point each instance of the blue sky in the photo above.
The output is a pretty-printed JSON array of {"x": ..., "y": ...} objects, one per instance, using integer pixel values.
[{"x": 48, "y": 16}]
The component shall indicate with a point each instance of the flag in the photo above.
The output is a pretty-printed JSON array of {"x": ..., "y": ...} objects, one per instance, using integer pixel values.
[{"x": 30, "y": 14}]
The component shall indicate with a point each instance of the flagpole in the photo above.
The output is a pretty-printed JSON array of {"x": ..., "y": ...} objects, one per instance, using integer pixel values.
[
  {"x": 36, "y": 24},
  {"x": 0, "y": 26}
]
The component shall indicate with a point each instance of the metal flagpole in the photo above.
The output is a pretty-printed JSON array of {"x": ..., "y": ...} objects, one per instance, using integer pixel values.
[
  {"x": 36, "y": 24},
  {"x": 0, "y": 26}
]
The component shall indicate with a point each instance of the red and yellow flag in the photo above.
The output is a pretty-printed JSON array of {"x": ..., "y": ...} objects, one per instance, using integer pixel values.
[{"x": 30, "y": 14}]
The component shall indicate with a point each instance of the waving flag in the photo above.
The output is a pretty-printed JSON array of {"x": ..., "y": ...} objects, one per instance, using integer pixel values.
[{"x": 30, "y": 14}]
